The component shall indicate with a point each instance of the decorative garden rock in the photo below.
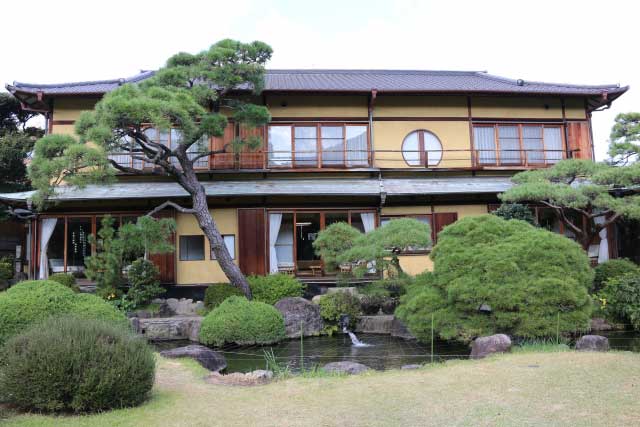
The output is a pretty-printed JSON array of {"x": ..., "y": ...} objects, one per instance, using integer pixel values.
[
  {"x": 410, "y": 367},
  {"x": 212, "y": 360},
  {"x": 168, "y": 328},
  {"x": 592, "y": 343},
  {"x": 316, "y": 299},
  {"x": 300, "y": 313},
  {"x": 600, "y": 324},
  {"x": 182, "y": 306},
  {"x": 239, "y": 379},
  {"x": 484, "y": 346},
  {"x": 349, "y": 368}
]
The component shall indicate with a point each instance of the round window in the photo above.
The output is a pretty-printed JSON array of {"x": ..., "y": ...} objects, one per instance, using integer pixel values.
[{"x": 422, "y": 148}]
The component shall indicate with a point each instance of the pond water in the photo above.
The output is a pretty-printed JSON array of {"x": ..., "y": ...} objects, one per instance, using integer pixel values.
[{"x": 384, "y": 352}]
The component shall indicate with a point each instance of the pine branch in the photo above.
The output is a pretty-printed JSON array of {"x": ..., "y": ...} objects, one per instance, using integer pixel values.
[{"x": 169, "y": 203}]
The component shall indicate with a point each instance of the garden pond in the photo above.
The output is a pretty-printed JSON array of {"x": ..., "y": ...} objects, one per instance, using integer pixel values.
[{"x": 384, "y": 352}]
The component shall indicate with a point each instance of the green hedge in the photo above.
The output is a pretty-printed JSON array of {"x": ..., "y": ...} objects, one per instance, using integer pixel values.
[
  {"x": 75, "y": 364},
  {"x": 272, "y": 288},
  {"x": 240, "y": 321},
  {"x": 218, "y": 292},
  {"x": 36, "y": 300},
  {"x": 65, "y": 279},
  {"x": 613, "y": 269},
  {"x": 620, "y": 299}
]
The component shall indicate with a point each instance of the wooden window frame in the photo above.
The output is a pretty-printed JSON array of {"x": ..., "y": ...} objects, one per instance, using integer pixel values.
[
  {"x": 424, "y": 157},
  {"x": 319, "y": 151},
  {"x": 524, "y": 158},
  {"x": 148, "y": 165},
  {"x": 180, "y": 237}
]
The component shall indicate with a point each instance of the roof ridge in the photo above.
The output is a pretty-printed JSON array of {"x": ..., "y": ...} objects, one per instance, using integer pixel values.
[
  {"x": 140, "y": 76},
  {"x": 537, "y": 82}
]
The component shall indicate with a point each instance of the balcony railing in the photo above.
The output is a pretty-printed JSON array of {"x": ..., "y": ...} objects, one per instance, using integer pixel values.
[{"x": 358, "y": 159}]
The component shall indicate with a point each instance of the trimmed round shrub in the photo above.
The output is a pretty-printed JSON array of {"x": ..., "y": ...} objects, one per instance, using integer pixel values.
[
  {"x": 218, "y": 292},
  {"x": 74, "y": 364},
  {"x": 240, "y": 321},
  {"x": 65, "y": 279},
  {"x": 36, "y": 300},
  {"x": 334, "y": 305},
  {"x": 613, "y": 269},
  {"x": 144, "y": 282},
  {"x": 496, "y": 276},
  {"x": 272, "y": 288},
  {"x": 620, "y": 299}
]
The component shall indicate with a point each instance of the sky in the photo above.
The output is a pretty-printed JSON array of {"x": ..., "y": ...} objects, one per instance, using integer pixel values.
[{"x": 582, "y": 42}]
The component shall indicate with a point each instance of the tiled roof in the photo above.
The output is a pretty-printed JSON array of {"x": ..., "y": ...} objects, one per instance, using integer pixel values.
[
  {"x": 281, "y": 187},
  {"x": 357, "y": 81}
]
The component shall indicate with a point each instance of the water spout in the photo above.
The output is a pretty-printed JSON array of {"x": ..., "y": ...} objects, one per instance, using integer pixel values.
[{"x": 355, "y": 342}]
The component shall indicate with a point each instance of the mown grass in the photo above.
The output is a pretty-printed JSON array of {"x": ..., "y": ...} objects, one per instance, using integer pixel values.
[{"x": 521, "y": 389}]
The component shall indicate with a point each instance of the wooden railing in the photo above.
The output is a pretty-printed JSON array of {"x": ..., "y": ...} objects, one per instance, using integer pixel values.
[{"x": 358, "y": 159}]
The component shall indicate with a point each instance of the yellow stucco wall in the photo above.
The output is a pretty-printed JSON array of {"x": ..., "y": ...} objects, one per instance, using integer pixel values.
[
  {"x": 420, "y": 106},
  {"x": 317, "y": 105},
  {"x": 574, "y": 108},
  {"x": 415, "y": 264},
  {"x": 453, "y": 135},
  {"x": 63, "y": 129},
  {"x": 508, "y": 107},
  {"x": 207, "y": 270},
  {"x": 69, "y": 108}
]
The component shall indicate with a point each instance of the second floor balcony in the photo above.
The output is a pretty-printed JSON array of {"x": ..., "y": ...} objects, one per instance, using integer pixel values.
[{"x": 314, "y": 147}]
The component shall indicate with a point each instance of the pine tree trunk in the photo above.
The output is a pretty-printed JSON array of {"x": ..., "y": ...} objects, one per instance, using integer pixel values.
[{"x": 190, "y": 183}]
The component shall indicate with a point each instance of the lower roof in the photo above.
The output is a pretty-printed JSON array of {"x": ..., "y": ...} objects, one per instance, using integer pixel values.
[{"x": 388, "y": 187}]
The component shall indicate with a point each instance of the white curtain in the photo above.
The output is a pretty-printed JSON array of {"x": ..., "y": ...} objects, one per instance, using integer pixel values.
[
  {"x": 368, "y": 221},
  {"x": 275, "y": 219},
  {"x": 603, "y": 252},
  {"x": 357, "y": 145},
  {"x": 553, "y": 142},
  {"x": 48, "y": 225},
  {"x": 532, "y": 143},
  {"x": 484, "y": 142}
]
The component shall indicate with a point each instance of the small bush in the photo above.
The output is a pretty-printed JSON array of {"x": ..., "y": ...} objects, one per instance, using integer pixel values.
[
  {"x": 333, "y": 305},
  {"x": 620, "y": 299},
  {"x": 218, "y": 292},
  {"x": 515, "y": 211},
  {"x": 613, "y": 269},
  {"x": 33, "y": 301},
  {"x": 72, "y": 364},
  {"x": 6, "y": 268},
  {"x": 371, "y": 304},
  {"x": 65, "y": 279},
  {"x": 240, "y": 321},
  {"x": 144, "y": 282},
  {"x": 271, "y": 289}
]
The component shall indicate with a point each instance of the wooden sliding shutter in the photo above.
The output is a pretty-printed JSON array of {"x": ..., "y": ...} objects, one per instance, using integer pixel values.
[
  {"x": 579, "y": 140},
  {"x": 252, "y": 241},
  {"x": 223, "y": 160},
  {"x": 252, "y": 159},
  {"x": 441, "y": 220},
  {"x": 166, "y": 263}
]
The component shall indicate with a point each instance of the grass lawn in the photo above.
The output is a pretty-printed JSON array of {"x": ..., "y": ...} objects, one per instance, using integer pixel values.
[{"x": 520, "y": 389}]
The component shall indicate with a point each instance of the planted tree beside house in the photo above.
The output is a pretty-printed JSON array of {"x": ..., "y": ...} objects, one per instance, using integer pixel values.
[
  {"x": 585, "y": 196},
  {"x": 192, "y": 94},
  {"x": 624, "y": 146}
]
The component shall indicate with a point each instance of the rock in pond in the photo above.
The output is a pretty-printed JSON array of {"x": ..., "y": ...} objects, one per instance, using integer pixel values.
[
  {"x": 484, "y": 346},
  {"x": 212, "y": 360},
  {"x": 398, "y": 329},
  {"x": 349, "y": 368},
  {"x": 168, "y": 328},
  {"x": 300, "y": 314},
  {"x": 592, "y": 343}
]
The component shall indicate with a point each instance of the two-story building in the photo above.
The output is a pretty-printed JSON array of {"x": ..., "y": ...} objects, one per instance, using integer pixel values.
[{"x": 360, "y": 146}]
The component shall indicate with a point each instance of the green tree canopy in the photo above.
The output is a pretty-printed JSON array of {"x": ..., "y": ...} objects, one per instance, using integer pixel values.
[
  {"x": 197, "y": 93},
  {"x": 624, "y": 145},
  {"x": 586, "y": 196},
  {"x": 334, "y": 241},
  {"x": 496, "y": 276}
]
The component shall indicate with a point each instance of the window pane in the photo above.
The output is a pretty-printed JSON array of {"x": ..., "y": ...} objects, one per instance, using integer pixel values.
[
  {"x": 332, "y": 145},
  {"x": 306, "y": 153},
  {"x": 201, "y": 146},
  {"x": 532, "y": 143},
  {"x": 191, "y": 248},
  {"x": 509, "y": 144},
  {"x": 484, "y": 144},
  {"x": 432, "y": 149},
  {"x": 411, "y": 149},
  {"x": 280, "y": 146},
  {"x": 78, "y": 246},
  {"x": 553, "y": 144},
  {"x": 333, "y": 217},
  {"x": 357, "y": 154}
]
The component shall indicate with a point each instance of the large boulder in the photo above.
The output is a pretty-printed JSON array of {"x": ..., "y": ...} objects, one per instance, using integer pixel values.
[
  {"x": 349, "y": 368},
  {"x": 183, "y": 306},
  {"x": 212, "y": 360},
  {"x": 299, "y": 312},
  {"x": 398, "y": 329},
  {"x": 592, "y": 343},
  {"x": 484, "y": 346},
  {"x": 168, "y": 328}
]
